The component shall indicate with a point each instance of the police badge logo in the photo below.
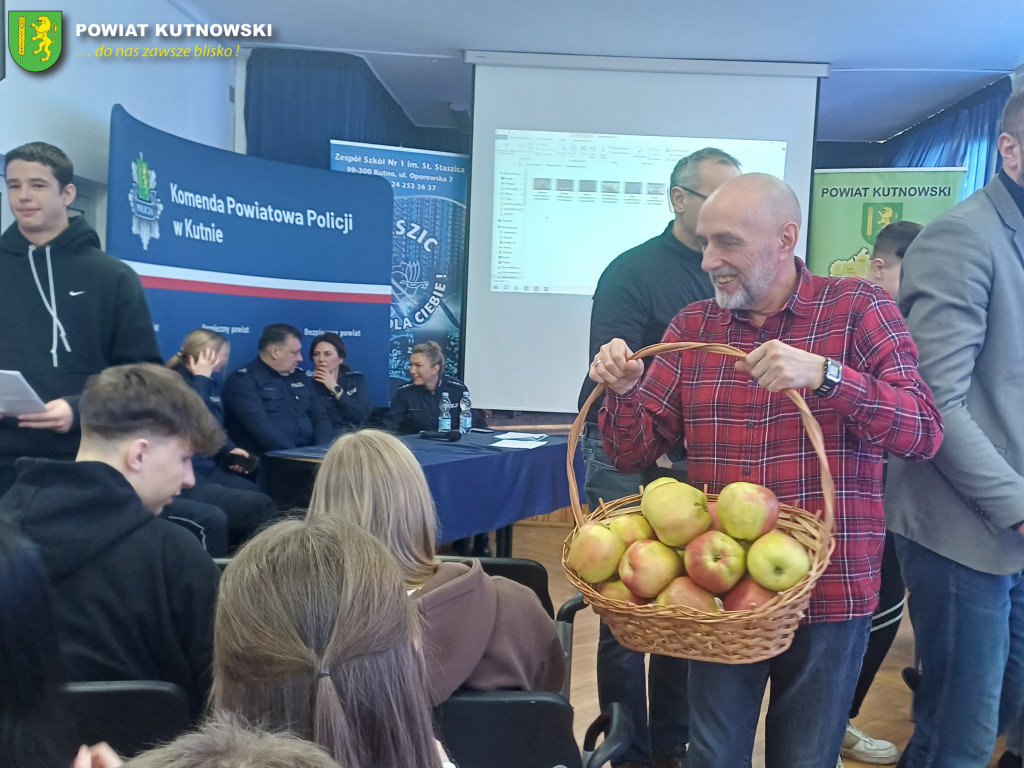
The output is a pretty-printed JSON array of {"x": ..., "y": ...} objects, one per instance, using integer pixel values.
[
  {"x": 145, "y": 203},
  {"x": 877, "y": 216},
  {"x": 35, "y": 38}
]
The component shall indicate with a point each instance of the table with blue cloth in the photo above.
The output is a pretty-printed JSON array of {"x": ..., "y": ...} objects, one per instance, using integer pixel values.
[{"x": 477, "y": 487}]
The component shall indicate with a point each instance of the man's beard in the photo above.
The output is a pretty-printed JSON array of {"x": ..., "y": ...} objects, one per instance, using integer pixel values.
[{"x": 752, "y": 285}]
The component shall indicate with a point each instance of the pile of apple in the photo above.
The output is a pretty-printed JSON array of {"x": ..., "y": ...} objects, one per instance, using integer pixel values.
[{"x": 682, "y": 549}]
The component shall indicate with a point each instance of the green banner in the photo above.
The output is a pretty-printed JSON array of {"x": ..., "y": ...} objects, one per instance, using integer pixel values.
[{"x": 851, "y": 207}]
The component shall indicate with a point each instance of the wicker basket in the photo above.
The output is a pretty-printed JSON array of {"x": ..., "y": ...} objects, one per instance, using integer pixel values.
[{"x": 731, "y": 637}]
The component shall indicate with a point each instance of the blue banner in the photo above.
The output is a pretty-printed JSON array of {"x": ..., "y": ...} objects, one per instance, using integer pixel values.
[
  {"x": 428, "y": 270},
  {"x": 234, "y": 243}
]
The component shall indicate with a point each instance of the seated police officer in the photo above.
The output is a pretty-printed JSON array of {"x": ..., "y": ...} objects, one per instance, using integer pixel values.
[{"x": 270, "y": 405}]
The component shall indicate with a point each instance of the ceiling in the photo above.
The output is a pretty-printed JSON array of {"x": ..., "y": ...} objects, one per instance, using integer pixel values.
[{"x": 891, "y": 64}]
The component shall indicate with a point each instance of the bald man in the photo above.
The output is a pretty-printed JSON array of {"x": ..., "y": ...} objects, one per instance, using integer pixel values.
[{"x": 843, "y": 345}]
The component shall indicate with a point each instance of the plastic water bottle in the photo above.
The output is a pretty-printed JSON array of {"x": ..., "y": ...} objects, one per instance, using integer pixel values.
[
  {"x": 465, "y": 414},
  {"x": 444, "y": 418}
]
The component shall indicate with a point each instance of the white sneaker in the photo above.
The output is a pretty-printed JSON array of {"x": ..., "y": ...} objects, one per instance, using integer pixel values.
[{"x": 857, "y": 745}]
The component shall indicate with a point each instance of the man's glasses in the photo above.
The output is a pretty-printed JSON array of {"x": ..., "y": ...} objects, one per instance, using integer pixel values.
[{"x": 693, "y": 192}]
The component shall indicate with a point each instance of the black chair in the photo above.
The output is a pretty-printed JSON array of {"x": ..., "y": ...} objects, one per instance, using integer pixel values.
[
  {"x": 532, "y": 574},
  {"x": 131, "y": 716},
  {"x": 526, "y": 729}
]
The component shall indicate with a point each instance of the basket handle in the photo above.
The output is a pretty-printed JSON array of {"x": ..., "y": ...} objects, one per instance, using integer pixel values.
[{"x": 811, "y": 425}]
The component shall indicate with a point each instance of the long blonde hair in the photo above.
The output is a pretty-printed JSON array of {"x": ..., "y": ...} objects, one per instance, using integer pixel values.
[
  {"x": 194, "y": 344},
  {"x": 372, "y": 479},
  {"x": 315, "y": 633}
]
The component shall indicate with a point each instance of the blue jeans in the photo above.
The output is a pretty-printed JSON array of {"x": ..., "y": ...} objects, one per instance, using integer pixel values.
[
  {"x": 969, "y": 635},
  {"x": 620, "y": 672},
  {"x": 812, "y": 687}
]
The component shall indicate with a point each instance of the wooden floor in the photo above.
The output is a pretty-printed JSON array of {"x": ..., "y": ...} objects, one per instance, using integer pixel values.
[{"x": 885, "y": 713}]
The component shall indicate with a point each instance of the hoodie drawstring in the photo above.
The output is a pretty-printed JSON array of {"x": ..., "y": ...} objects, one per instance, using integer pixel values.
[{"x": 51, "y": 305}]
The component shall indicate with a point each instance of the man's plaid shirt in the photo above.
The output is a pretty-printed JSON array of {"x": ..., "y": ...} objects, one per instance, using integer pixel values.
[{"x": 736, "y": 430}]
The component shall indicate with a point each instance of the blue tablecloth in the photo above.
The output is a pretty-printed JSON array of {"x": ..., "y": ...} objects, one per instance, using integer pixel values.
[{"x": 478, "y": 487}]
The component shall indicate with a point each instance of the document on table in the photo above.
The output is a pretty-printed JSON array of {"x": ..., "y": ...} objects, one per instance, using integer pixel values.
[
  {"x": 520, "y": 436},
  {"x": 519, "y": 443},
  {"x": 16, "y": 396}
]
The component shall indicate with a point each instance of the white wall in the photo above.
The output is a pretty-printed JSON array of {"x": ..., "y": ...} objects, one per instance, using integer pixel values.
[{"x": 69, "y": 104}]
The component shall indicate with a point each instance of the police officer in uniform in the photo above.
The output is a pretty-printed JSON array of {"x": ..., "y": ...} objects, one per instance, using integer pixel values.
[{"x": 270, "y": 405}]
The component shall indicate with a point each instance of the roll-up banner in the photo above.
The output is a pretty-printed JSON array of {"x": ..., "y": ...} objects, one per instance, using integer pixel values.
[
  {"x": 850, "y": 207},
  {"x": 233, "y": 243},
  {"x": 428, "y": 269}
]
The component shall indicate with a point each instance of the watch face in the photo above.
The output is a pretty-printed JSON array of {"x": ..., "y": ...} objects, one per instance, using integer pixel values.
[{"x": 833, "y": 371}]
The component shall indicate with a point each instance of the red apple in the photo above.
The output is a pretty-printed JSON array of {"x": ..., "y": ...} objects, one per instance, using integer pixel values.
[
  {"x": 747, "y": 595},
  {"x": 678, "y": 512},
  {"x": 631, "y": 528},
  {"x": 778, "y": 561},
  {"x": 595, "y": 552},
  {"x": 716, "y": 524},
  {"x": 616, "y": 590},
  {"x": 648, "y": 567},
  {"x": 715, "y": 561},
  {"x": 747, "y": 510},
  {"x": 685, "y": 591}
]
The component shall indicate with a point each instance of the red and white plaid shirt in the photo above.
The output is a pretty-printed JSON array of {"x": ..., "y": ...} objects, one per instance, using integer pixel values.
[{"x": 736, "y": 430}]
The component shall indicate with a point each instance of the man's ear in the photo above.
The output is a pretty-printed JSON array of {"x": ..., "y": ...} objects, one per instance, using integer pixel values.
[
  {"x": 135, "y": 454},
  {"x": 69, "y": 193},
  {"x": 788, "y": 235},
  {"x": 877, "y": 267},
  {"x": 678, "y": 199},
  {"x": 1010, "y": 149}
]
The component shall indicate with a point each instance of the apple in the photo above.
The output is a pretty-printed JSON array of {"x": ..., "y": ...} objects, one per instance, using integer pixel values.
[
  {"x": 616, "y": 590},
  {"x": 747, "y": 595},
  {"x": 777, "y": 561},
  {"x": 648, "y": 567},
  {"x": 631, "y": 528},
  {"x": 716, "y": 524},
  {"x": 678, "y": 512},
  {"x": 715, "y": 561},
  {"x": 685, "y": 591},
  {"x": 659, "y": 481},
  {"x": 747, "y": 510},
  {"x": 595, "y": 552}
]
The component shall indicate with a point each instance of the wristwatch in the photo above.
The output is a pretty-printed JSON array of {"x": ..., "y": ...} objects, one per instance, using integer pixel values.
[
  {"x": 337, "y": 389},
  {"x": 833, "y": 375}
]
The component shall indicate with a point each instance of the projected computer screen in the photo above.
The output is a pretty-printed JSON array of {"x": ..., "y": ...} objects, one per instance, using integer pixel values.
[{"x": 565, "y": 204}]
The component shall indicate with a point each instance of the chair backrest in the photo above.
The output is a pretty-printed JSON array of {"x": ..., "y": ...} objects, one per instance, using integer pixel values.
[
  {"x": 508, "y": 729},
  {"x": 131, "y": 716},
  {"x": 529, "y": 573}
]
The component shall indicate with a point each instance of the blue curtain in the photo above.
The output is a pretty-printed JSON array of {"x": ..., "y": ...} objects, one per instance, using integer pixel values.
[
  {"x": 963, "y": 135},
  {"x": 297, "y": 101}
]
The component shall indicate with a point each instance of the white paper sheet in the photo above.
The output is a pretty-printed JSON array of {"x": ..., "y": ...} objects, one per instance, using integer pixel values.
[
  {"x": 519, "y": 443},
  {"x": 16, "y": 396}
]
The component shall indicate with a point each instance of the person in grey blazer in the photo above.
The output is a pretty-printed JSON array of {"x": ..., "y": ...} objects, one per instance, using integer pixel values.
[{"x": 958, "y": 517}]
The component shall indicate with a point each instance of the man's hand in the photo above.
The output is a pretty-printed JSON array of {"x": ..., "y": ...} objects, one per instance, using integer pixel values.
[
  {"x": 204, "y": 364},
  {"x": 778, "y": 366},
  {"x": 58, "y": 416},
  {"x": 613, "y": 367}
]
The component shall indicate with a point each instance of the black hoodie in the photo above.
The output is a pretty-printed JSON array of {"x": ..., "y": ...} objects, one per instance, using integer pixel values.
[
  {"x": 99, "y": 318},
  {"x": 134, "y": 594}
]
